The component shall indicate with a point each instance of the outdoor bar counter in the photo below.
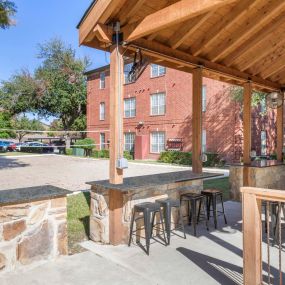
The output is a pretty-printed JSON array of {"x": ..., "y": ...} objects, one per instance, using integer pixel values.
[
  {"x": 262, "y": 173},
  {"x": 112, "y": 204}
]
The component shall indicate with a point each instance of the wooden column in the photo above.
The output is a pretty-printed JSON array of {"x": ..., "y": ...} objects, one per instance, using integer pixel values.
[
  {"x": 247, "y": 122},
  {"x": 280, "y": 133},
  {"x": 116, "y": 113},
  {"x": 252, "y": 258},
  {"x": 197, "y": 120}
]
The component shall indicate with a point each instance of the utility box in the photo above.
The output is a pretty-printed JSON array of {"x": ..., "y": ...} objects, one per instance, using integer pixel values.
[
  {"x": 78, "y": 151},
  {"x": 141, "y": 147}
]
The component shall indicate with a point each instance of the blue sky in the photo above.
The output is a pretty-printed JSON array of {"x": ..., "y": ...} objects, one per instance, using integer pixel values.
[{"x": 38, "y": 21}]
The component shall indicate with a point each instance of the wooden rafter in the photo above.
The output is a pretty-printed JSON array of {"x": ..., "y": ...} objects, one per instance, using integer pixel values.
[
  {"x": 232, "y": 17},
  {"x": 98, "y": 15},
  {"x": 158, "y": 50},
  {"x": 185, "y": 32},
  {"x": 251, "y": 26},
  {"x": 260, "y": 54},
  {"x": 174, "y": 14},
  {"x": 274, "y": 67},
  {"x": 129, "y": 14},
  {"x": 253, "y": 41}
]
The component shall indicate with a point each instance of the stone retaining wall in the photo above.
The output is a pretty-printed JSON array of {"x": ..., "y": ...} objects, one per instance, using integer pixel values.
[
  {"x": 31, "y": 232},
  {"x": 99, "y": 218}
]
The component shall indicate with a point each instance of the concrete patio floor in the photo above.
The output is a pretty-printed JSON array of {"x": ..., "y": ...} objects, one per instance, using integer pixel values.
[{"x": 213, "y": 257}]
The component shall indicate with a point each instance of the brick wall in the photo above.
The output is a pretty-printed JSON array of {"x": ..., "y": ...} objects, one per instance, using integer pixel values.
[{"x": 222, "y": 119}]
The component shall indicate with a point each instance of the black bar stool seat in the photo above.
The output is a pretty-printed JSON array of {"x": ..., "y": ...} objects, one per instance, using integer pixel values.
[
  {"x": 167, "y": 204},
  {"x": 149, "y": 211},
  {"x": 192, "y": 199},
  {"x": 212, "y": 195}
]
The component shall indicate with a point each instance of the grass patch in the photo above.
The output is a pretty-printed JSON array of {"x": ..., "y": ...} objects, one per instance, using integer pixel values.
[
  {"x": 78, "y": 220},
  {"x": 220, "y": 184}
]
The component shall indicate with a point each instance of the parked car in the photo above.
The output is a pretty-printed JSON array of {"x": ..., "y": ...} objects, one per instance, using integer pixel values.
[
  {"x": 36, "y": 147},
  {"x": 4, "y": 145}
]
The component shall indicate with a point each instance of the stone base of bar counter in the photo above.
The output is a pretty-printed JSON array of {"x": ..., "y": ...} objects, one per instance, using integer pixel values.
[
  {"x": 34, "y": 228},
  {"x": 111, "y": 205}
]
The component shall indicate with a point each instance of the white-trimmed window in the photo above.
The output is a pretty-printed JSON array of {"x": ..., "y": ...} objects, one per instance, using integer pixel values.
[
  {"x": 129, "y": 141},
  {"x": 157, "y": 70},
  {"x": 204, "y": 141},
  {"x": 130, "y": 107},
  {"x": 102, "y": 80},
  {"x": 157, "y": 142},
  {"x": 204, "y": 98},
  {"x": 127, "y": 69},
  {"x": 157, "y": 104},
  {"x": 102, "y": 140},
  {"x": 102, "y": 111},
  {"x": 263, "y": 142}
]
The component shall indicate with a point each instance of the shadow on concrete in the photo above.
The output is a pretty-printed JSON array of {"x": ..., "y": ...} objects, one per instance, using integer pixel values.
[{"x": 11, "y": 163}]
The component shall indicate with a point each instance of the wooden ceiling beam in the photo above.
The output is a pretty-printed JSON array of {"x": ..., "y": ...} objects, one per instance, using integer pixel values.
[
  {"x": 249, "y": 27},
  {"x": 188, "y": 29},
  {"x": 99, "y": 14},
  {"x": 232, "y": 17},
  {"x": 160, "y": 51},
  {"x": 253, "y": 41},
  {"x": 174, "y": 14},
  {"x": 129, "y": 14}
]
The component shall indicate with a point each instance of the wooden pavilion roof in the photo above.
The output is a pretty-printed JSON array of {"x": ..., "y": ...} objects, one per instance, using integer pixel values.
[{"x": 233, "y": 40}]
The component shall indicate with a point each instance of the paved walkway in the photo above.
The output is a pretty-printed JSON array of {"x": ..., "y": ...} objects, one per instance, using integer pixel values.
[{"x": 68, "y": 172}]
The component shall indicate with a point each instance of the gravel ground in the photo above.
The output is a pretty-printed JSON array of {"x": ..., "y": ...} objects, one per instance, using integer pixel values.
[{"x": 67, "y": 172}]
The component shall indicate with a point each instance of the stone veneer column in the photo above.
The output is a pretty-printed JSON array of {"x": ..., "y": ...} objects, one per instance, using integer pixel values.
[{"x": 31, "y": 231}]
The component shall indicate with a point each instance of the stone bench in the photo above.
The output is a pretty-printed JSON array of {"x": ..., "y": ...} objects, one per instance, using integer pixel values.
[{"x": 33, "y": 225}]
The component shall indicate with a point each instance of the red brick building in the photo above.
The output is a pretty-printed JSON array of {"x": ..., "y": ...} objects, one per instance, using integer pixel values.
[{"x": 157, "y": 115}]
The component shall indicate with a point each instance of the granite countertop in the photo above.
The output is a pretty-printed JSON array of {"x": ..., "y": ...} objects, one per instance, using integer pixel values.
[
  {"x": 30, "y": 194},
  {"x": 261, "y": 163},
  {"x": 141, "y": 182}
]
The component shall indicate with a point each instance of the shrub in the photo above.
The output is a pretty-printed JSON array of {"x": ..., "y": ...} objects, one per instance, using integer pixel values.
[
  {"x": 68, "y": 151},
  {"x": 103, "y": 153},
  {"x": 128, "y": 155},
  {"x": 185, "y": 158}
]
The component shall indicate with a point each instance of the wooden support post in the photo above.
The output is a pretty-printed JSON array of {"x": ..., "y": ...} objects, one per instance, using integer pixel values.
[
  {"x": 247, "y": 122},
  {"x": 116, "y": 113},
  {"x": 197, "y": 120},
  {"x": 116, "y": 227},
  {"x": 280, "y": 133},
  {"x": 252, "y": 256}
]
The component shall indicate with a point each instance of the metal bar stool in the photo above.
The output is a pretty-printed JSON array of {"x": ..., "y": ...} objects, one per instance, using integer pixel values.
[
  {"x": 149, "y": 210},
  {"x": 212, "y": 195},
  {"x": 167, "y": 205},
  {"x": 192, "y": 199}
]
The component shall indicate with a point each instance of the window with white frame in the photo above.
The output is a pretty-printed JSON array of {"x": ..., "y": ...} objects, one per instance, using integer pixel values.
[
  {"x": 130, "y": 107},
  {"x": 157, "y": 142},
  {"x": 102, "y": 111},
  {"x": 102, "y": 140},
  {"x": 204, "y": 141},
  {"x": 263, "y": 142},
  {"x": 127, "y": 69},
  {"x": 157, "y": 104},
  {"x": 102, "y": 80},
  {"x": 157, "y": 70},
  {"x": 204, "y": 98},
  {"x": 129, "y": 141}
]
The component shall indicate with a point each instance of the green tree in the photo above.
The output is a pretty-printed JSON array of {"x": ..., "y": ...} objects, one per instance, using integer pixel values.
[
  {"x": 64, "y": 84},
  {"x": 23, "y": 125},
  {"x": 257, "y": 97},
  {"x": 5, "y": 125},
  {"x": 7, "y": 10},
  {"x": 19, "y": 94}
]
